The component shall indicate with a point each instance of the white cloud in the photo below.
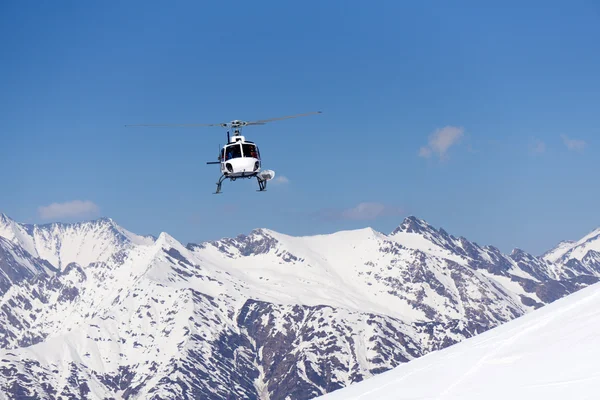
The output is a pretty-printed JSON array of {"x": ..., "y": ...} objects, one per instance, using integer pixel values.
[
  {"x": 538, "y": 147},
  {"x": 69, "y": 209},
  {"x": 425, "y": 152},
  {"x": 281, "y": 180},
  {"x": 362, "y": 211},
  {"x": 573, "y": 144},
  {"x": 441, "y": 140}
]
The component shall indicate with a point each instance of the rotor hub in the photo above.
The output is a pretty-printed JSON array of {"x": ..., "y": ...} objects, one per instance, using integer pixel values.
[{"x": 234, "y": 124}]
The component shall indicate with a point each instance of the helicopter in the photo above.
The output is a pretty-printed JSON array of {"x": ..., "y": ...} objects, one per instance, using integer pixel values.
[{"x": 239, "y": 158}]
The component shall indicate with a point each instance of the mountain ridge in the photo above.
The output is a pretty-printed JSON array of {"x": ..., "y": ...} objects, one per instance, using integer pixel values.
[{"x": 275, "y": 314}]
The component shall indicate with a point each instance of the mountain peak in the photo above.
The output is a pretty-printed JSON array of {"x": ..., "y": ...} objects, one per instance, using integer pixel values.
[
  {"x": 520, "y": 254},
  {"x": 105, "y": 220},
  {"x": 5, "y": 219},
  {"x": 517, "y": 251},
  {"x": 569, "y": 249},
  {"x": 412, "y": 224}
]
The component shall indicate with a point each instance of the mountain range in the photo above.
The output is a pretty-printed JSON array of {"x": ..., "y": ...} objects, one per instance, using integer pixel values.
[{"x": 92, "y": 310}]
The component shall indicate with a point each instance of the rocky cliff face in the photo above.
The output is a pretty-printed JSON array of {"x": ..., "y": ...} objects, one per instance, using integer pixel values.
[{"x": 91, "y": 310}]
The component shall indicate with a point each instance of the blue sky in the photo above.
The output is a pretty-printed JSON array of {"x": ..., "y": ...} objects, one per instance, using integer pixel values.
[{"x": 480, "y": 119}]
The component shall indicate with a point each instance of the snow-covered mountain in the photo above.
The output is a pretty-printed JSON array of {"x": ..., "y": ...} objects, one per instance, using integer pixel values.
[
  {"x": 62, "y": 244},
  {"x": 582, "y": 256},
  {"x": 96, "y": 311},
  {"x": 551, "y": 353}
]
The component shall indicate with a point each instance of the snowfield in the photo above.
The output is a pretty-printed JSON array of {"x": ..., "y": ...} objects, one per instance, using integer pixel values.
[{"x": 551, "y": 353}]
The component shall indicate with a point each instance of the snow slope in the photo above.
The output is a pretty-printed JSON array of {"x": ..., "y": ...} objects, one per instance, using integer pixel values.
[
  {"x": 360, "y": 270},
  {"x": 551, "y": 353},
  {"x": 17, "y": 265}
]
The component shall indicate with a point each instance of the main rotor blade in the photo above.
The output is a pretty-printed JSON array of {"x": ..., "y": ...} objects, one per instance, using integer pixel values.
[
  {"x": 177, "y": 125},
  {"x": 263, "y": 121}
]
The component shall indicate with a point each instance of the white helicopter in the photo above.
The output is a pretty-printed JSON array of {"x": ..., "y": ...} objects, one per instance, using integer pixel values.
[{"x": 239, "y": 158}]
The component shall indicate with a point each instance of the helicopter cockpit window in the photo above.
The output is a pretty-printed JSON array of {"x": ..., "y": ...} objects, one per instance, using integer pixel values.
[
  {"x": 250, "y": 150},
  {"x": 233, "y": 151}
]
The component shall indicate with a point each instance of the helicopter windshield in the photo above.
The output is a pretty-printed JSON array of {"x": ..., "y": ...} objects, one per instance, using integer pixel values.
[
  {"x": 250, "y": 150},
  {"x": 233, "y": 151}
]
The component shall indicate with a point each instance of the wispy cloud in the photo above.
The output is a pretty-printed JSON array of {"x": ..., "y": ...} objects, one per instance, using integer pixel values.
[
  {"x": 280, "y": 180},
  {"x": 362, "y": 211},
  {"x": 440, "y": 141},
  {"x": 538, "y": 147},
  {"x": 69, "y": 209},
  {"x": 573, "y": 144}
]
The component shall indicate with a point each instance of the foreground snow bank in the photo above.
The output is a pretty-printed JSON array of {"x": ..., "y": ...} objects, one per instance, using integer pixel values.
[{"x": 551, "y": 353}]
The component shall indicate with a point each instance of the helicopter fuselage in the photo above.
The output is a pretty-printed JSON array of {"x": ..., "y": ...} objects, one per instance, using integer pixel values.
[
  {"x": 240, "y": 167},
  {"x": 240, "y": 158}
]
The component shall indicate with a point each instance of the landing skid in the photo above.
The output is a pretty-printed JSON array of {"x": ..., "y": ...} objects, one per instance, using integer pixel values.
[
  {"x": 221, "y": 179},
  {"x": 262, "y": 184}
]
